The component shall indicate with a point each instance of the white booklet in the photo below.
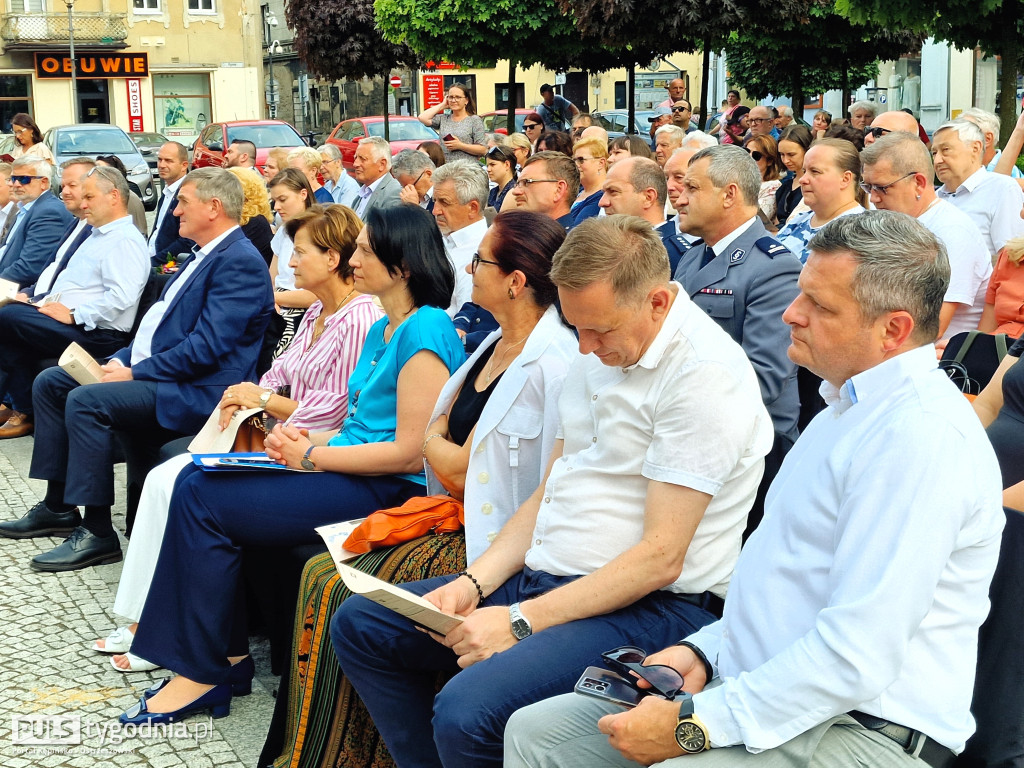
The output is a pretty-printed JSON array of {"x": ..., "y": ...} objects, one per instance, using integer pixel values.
[
  {"x": 8, "y": 291},
  {"x": 401, "y": 601},
  {"x": 212, "y": 440},
  {"x": 80, "y": 365},
  {"x": 334, "y": 536}
]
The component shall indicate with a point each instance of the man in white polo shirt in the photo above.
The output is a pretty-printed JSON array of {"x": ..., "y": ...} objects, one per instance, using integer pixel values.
[{"x": 631, "y": 536}]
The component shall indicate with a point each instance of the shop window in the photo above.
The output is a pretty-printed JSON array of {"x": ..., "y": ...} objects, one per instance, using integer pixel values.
[
  {"x": 182, "y": 105},
  {"x": 146, "y": 6},
  {"x": 15, "y": 97},
  {"x": 201, "y": 6},
  {"x": 27, "y": 6}
]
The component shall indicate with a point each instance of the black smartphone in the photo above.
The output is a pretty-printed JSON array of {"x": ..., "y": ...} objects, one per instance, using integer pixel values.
[{"x": 605, "y": 684}]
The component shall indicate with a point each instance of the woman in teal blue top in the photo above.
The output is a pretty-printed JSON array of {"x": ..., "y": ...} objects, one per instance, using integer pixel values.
[{"x": 191, "y": 622}]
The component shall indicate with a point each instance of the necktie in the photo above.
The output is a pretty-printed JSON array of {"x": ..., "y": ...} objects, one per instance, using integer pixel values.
[
  {"x": 159, "y": 216},
  {"x": 709, "y": 256},
  {"x": 75, "y": 245},
  {"x": 9, "y": 225}
]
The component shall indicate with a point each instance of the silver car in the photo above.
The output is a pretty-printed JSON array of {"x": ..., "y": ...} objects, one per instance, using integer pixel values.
[{"x": 93, "y": 139}]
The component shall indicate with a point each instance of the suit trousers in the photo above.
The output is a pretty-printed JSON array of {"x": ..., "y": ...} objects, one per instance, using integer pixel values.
[
  {"x": 28, "y": 337},
  {"x": 75, "y": 431},
  {"x": 393, "y": 666},
  {"x": 193, "y": 617}
]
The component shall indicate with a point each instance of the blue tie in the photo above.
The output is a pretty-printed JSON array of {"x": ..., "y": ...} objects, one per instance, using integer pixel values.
[{"x": 709, "y": 256}]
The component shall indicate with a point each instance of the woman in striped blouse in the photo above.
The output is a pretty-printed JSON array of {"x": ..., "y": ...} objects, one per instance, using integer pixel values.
[{"x": 307, "y": 385}]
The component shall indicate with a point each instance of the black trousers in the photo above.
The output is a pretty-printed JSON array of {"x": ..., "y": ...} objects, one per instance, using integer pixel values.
[{"x": 28, "y": 337}]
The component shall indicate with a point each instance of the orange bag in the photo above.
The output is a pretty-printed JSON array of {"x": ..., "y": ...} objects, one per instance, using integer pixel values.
[{"x": 419, "y": 516}]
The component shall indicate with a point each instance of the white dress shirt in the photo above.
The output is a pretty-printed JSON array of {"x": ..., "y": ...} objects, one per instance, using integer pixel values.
[
  {"x": 104, "y": 279},
  {"x": 689, "y": 413},
  {"x": 864, "y": 586},
  {"x": 282, "y": 246},
  {"x": 142, "y": 347},
  {"x": 994, "y": 202},
  {"x": 46, "y": 276},
  {"x": 460, "y": 247},
  {"x": 165, "y": 210},
  {"x": 970, "y": 265}
]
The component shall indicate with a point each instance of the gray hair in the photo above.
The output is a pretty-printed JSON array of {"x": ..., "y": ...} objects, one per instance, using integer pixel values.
[
  {"x": 332, "y": 152},
  {"x": 785, "y": 111},
  {"x": 867, "y": 106},
  {"x": 904, "y": 152},
  {"x": 5, "y": 170},
  {"x": 40, "y": 165},
  {"x": 411, "y": 162},
  {"x": 901, "y": 266},
  {"x": 674, "y": 132},
  {"x": 218, "y": 184},
  {"x": 83, "y": 160},
  {"x": 499, "y": 139},
  {"x": 965, "y": 129},
  {"x": 381, "y": 149},
  {"x": 110, "y": 179},
  {"x": 698, "y": 140},
  {"x": 987, "y": 121},
  {"x": 732, "y": 165},
  {"x": 645, "y": 173},
  {"x": 468, "y": 178},
  {"x": 624, "y": 250}
]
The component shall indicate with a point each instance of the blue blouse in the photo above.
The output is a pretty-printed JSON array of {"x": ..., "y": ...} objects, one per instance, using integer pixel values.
[
  {"x": 373, "y": 386},
  {"x": 587, "y": 207}
]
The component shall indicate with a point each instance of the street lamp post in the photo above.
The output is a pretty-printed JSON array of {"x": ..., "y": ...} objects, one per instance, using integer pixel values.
[
  {"x": 275, "y": 98},
  {"x": 71, "y": 42}
]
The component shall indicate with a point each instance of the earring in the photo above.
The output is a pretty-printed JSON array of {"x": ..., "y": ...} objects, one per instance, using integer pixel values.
[
  {"x": 511, "y": 295},
  {"x": 918, "y": 197}
]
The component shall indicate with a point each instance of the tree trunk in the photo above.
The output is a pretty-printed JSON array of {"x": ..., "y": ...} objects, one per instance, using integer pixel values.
[
  {"x": 846, "y": 88},
  {"x": 796, "y": 95},
  {"x": 1009, "y": 50},
  {"x": 387, "y": 126},
  {"x": 705, "y": 73},
  {"x": 631, "y": 103},
  {"x": 510, "y": 125}
]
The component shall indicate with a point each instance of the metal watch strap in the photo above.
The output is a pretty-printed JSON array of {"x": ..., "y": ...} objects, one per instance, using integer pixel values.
[
  {"x": 265, "y": 398},
  {"x": 521, "y": 628}
]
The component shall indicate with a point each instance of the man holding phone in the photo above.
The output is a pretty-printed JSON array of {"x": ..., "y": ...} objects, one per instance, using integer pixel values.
[{"x": 850, "y": 632}]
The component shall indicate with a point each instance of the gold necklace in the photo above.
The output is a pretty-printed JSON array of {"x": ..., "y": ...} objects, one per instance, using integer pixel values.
[
  {"x": 488, "y": 374},
  {"x": 321, "y": 322}
]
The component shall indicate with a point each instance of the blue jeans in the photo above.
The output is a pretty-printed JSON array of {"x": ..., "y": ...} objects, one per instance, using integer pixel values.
[{"x": 393, "y": 667}]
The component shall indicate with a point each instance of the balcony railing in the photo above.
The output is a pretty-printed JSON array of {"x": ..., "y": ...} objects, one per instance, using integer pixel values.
[{"x": 18, "y": 29}]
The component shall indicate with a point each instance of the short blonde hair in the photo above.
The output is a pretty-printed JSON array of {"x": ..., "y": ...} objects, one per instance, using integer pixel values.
[
  {"x": 280, "y": 155},
  {"x": 309, "y": 156},
  {"x": 624, "y": 250},
  {"x": 597, "y": 147},
  {"x": 1014, "y": 250},
  {"x": 520, "y": 141},
  {"x": 255, "y": 198}
]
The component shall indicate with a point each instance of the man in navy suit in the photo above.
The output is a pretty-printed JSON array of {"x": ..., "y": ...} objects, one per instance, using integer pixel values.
[
  {"x": 203, "y": 334},
  {"x": 40, "y": 225},
  {"x": 636, "y": 186},
  {"x": 171, "y": 167}
]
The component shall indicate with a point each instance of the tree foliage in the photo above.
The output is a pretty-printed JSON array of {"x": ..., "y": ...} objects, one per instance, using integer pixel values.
[{"x": 339, "y": 39}]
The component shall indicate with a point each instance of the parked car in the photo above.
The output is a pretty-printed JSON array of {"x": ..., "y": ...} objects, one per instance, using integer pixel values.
[
  {"x": 497, "y": 122},
  {"x": 149, "y": 145},
  {"x": 209, "y": 147},
  {"x": 92, "y": 139},
  {"x": 405, "y": 133}
]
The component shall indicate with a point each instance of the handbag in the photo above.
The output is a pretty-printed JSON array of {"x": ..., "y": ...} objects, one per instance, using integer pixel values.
[
  {"x": 417, "y": 517},
  {"x": 971, "y": 358},
  {"x": 251, "y": 435}
]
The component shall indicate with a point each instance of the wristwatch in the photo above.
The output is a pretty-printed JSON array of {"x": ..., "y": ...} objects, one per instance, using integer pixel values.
[
  {"x": 521, "y": 628},
  {"x": 691, "y": 735},
  {"x": 307, "y": 463},
  {"x": 265, "y": 398},
  {"x": 71, "y": 314}
]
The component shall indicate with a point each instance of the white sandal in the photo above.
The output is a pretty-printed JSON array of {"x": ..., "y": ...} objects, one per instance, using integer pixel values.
[
  {"x": 135, "y": 664},
  {"x": 118, "y": 641}
]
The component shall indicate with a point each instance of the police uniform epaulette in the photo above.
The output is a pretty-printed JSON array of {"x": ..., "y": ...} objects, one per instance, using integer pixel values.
[{"x": 771, "y": 247}]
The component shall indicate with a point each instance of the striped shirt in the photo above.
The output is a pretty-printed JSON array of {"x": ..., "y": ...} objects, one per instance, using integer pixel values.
[{"x": 319, "y": 375}]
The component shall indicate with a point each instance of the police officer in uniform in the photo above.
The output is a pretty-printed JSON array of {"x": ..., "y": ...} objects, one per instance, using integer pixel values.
[{"x": 744, "y": 279}]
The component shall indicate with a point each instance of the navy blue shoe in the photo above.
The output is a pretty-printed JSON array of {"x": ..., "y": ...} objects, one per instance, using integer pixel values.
[
  {"x": 239, "y": 678},
  {"x": 217, "y": 700}
]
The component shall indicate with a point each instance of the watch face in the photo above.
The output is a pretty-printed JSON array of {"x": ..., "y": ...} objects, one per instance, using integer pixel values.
[
  {"x": 307, "y": 464},
  {"x": 520, "y": 629},
  {"x": 690, "y": 736}
]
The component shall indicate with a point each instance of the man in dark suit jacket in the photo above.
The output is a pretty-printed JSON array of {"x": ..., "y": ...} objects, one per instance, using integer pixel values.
[
  {"x": 39, "y": 228},
  {"x": 171, "y": 167},
  {"x": 371, "y": 168},
  {"x": 204, "y": 334}
]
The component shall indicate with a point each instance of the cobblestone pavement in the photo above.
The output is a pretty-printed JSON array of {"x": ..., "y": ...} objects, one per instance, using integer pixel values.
[{"x": 47, "y": 625}]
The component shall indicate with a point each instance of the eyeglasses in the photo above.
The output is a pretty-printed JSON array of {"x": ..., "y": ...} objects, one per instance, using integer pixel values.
[
  {"x": 758, "y": 120},
  {"x": 628, "y": 662},
  {"x": 878, "y": 131},
  {"x": 477, "y": 261},
  {"x": 18, "y": 132},
  {"x": 456, "y": 98},
  {"x": 882, "y": 189},
  {"x": 530, "y": 126},
  {"x": 24, "y": 180},
  {"x": 681, "y": 109},
  {"x": 531, "y": 182}
]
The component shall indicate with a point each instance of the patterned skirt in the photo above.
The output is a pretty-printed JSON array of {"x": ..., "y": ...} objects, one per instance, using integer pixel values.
[{"x": 325, "y": 722}]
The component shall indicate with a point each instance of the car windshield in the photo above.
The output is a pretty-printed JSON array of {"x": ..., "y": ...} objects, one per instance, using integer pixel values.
[
  {"x": 94, "y": 142},
  {"x": 264, "y": 136},
  {"x": 403, "y": 130}
]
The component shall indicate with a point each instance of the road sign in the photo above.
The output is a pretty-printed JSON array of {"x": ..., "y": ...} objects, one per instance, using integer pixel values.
[{"x": 395, "y": 81}]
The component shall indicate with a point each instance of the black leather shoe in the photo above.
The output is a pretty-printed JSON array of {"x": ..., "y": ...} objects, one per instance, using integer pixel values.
[
  {"x": 80, "y": 550},
  {"x": 40, "y": 521}
]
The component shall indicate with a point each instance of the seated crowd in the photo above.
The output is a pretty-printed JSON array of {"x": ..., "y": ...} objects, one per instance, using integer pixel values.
[{"x": 688, "y": 407}]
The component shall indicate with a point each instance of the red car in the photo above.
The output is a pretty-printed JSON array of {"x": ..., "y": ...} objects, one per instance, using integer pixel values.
[
  {"x": 211, "y": 144},
  {"x": 495, "y": 122},
  {"x": 405, "y": 133}
]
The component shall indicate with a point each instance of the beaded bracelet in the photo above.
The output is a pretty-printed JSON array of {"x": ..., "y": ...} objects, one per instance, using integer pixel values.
[
  {"x": 476, "y": 584},
  {"x": 425, "y": 442}
]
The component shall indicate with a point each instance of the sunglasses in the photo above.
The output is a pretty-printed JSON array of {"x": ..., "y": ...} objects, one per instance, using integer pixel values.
[
  {"x": 681, "y": 109},
  {"x": 878, "y": 132},
  {"x": 24, "y": 180},
  {"x": 530, "y": 126},
  {"x": 627, "y": 661},
  {"x": 500, "y": 153},
  {"x": 754, "y": 154}
]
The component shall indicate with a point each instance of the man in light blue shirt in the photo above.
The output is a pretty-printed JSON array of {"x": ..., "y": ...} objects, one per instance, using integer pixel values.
[{"x": 343, "y": 188}]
